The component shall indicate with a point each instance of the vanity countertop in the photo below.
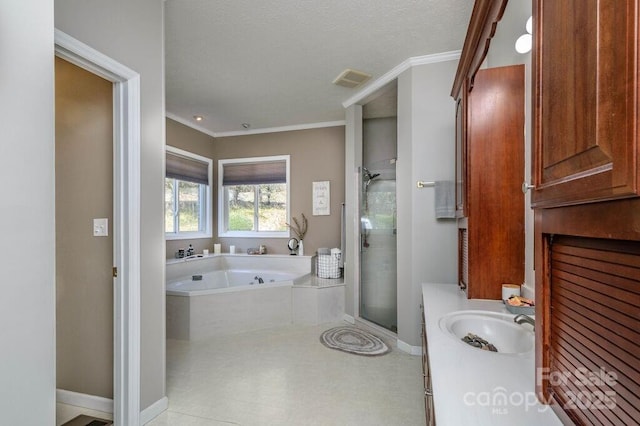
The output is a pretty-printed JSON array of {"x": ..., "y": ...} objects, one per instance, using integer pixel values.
[{"x": 472, "y": 386}]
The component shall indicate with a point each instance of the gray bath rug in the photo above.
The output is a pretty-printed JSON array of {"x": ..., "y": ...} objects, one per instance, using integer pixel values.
[{"x": 354, "y": 341}]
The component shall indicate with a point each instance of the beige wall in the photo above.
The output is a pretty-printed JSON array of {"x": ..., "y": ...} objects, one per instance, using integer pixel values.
[
  {"x": 132, "y": 33},
  {"x": 27, "y": 305},
  {"x": 184, "y": 137},
  {"x": 316, "y": 155},
  {"x": 84, "y": 190}
]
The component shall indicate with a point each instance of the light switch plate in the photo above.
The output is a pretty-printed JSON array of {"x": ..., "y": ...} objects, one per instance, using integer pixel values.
[{"x": 101, "y": 227}]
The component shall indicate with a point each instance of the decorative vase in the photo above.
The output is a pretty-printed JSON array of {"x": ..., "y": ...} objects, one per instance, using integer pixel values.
[{"x": 300, "y": 248}]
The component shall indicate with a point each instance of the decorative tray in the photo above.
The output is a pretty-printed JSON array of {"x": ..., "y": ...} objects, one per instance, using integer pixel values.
[
  {"x": 520, "y": 305},
  {"x": 528, "y": 310}
]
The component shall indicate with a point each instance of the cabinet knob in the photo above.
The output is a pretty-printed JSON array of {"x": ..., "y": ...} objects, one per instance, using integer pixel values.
[{"x": 527, "y": 186}]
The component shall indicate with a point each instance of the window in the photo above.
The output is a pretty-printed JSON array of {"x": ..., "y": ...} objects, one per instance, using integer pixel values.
[
  {"x": 187, "y": 195},
  {"x": 253, "y": 197}
]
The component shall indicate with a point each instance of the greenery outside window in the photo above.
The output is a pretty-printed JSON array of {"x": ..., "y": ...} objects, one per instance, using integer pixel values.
[
  {"x": 187, "y": 195},
  {"x": 253, "y": 197}
]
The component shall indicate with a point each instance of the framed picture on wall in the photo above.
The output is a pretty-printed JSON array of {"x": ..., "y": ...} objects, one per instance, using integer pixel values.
[{"x": 322, "y": 198}]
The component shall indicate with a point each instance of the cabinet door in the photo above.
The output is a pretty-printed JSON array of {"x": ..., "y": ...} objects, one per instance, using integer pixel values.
[{"x": 586, "y": 96}]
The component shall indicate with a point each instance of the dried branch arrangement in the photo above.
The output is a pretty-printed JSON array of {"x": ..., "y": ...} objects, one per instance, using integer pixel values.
[{"x": 300, "y": 230}]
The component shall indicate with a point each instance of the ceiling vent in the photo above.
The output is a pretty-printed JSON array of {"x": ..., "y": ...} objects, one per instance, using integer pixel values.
[{"x": 351, "y": 78}]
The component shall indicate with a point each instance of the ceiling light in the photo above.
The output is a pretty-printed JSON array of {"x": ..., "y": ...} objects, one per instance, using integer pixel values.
[
  {"x": 246, "y": 126},
  {"x": 197, "y": 117},
  {"x": 523, "y": 43},
  {"x": 351, "y": 78}
]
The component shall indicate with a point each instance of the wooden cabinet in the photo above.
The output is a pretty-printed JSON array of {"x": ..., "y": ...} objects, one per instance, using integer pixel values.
[
  {"x": 490, "y": 171},
  {"x": 489, "y": 162},
  {"x": 586, "y": 101},
  {"x": 429, "y": 408},
  {"x": 587, "y": 213}
]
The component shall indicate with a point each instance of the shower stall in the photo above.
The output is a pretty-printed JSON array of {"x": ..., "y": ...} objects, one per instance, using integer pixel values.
[{"x": 378, "y": 225}]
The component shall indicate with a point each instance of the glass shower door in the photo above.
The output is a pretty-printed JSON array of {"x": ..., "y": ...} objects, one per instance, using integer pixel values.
[{"x": 378, "y": 271}]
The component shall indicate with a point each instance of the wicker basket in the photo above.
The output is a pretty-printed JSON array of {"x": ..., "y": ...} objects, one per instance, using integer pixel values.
[{"x": 328, "y": 265}]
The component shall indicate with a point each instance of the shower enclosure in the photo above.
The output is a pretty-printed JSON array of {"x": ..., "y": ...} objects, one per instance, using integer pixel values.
[{"x": 378, "y": 271}]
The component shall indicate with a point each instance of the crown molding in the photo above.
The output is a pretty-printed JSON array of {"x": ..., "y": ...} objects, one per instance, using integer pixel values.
[
  {"x": 189, "y": 123},
  {"x": 281, "y": 129},
  {"x": 306, "y": 126},
  {"x": 391, "y": 75}
]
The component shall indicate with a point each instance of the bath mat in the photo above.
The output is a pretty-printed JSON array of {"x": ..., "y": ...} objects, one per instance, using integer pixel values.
[{"x": 354, "y": 341}]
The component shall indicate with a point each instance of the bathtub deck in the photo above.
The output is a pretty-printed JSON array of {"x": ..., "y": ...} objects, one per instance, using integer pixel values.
[{"x": 310, "y": 302}]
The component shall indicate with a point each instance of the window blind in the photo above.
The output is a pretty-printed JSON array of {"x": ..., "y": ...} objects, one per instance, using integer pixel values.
[
  {"x": 187, "y": 169},
  {"x": 254, "y": 173}
]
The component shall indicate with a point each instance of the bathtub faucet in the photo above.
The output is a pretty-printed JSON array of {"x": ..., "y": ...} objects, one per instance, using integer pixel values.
[{"x": 260, "y": 280}]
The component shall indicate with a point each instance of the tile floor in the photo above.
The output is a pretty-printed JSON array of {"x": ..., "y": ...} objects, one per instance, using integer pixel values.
[{"x": 285, "y": 376}]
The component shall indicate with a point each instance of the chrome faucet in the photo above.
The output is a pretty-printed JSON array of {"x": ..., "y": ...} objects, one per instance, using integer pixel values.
[
  {"x": 519, "y": 319},
  {"x": 260, "y": 280}
]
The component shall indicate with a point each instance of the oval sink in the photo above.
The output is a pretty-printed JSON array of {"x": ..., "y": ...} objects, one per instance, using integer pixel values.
[{"x": 496, "y": 328}]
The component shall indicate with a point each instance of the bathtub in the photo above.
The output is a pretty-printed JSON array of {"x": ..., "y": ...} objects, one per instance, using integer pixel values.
[
  {"x": 229, "y": 299},
  {"x": 228, "y": 281}
]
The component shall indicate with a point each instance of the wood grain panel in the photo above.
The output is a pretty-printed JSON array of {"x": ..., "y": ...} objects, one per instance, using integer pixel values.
[
  {"x": 585, "y": 132},
  {"x": 620, "y": 401},
  {"x": 495, "y": 160},
  {"x": 593, "y": 324},
  {"x": 572, "y": 346},
  {"x": 595, "y": 332},
  {"x": 482, "y": 27}
]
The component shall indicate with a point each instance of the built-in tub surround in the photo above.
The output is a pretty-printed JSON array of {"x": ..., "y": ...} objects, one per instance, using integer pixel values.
[
  {"x": 222, "y": 294},
  {"x": 224, "y": 271}
]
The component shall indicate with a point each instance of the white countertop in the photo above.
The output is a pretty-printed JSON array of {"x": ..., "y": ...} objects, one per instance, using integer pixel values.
[{"x": 472, "y": 386}]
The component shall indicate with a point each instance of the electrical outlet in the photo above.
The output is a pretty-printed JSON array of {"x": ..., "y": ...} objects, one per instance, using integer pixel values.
[{"x": 101, "y": 227}]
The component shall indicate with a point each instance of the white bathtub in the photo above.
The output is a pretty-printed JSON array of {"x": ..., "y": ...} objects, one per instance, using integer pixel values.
[
  {"x": 228, "y": 280},
  {"x": 229, "y": 298}
]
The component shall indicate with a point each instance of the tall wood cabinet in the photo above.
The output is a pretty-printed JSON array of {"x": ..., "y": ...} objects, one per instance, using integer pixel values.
[
  {"x": 489, "y": 174},
  {"x": 586, "y": 198},
  {"x": 587, "y": 210}
]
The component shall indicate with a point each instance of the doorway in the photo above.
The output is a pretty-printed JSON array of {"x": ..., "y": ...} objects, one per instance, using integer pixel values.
[
  {"x": 84, "y": 260},
  {"x": 126, "y": 221}
]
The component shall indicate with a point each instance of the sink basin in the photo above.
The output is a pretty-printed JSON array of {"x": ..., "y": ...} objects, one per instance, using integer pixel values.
[{"x": 494, "y": 327}]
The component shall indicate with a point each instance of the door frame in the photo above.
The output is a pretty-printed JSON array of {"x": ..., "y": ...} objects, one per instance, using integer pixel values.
[{"x": 126, "y": 218}]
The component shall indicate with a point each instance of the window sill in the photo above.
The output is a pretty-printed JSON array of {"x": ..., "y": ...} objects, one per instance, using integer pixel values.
[
  {"x": 249, "y": 234},
  {"x": 188, "y": 236}
]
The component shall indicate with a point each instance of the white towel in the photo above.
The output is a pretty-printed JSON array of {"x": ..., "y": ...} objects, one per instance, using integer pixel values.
[
  {"x": 445, "y": 199},
  {"x": 336, "y": 253}
]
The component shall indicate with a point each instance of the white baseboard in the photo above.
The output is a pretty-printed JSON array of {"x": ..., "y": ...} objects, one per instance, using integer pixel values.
[
  {"x": 349, "y": 319},
  {"x": 154, "y": 410},
  {"x": 84, "y": 400},
  {"x": 405, "y": 347}
]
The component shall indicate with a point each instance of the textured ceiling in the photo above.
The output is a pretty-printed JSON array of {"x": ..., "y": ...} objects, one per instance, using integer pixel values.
[{"x": 271, "y": 63}]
